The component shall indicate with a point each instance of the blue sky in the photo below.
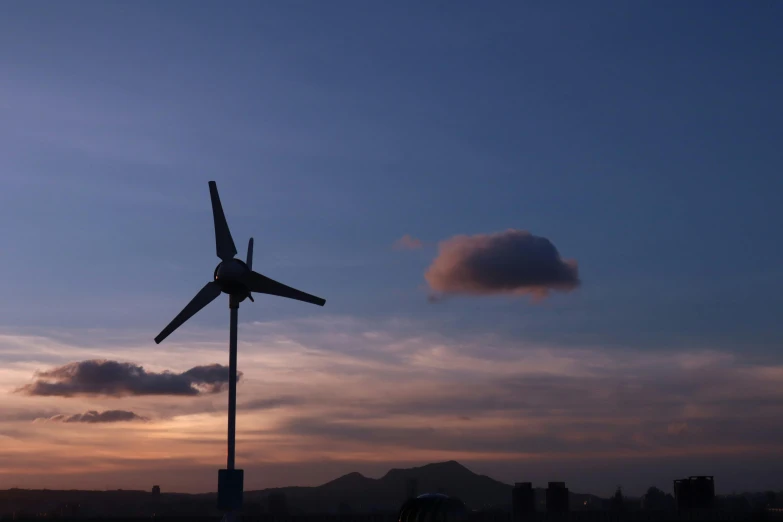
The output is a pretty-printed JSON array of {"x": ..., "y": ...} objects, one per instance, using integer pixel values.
[{"x": 642, "y": 139}]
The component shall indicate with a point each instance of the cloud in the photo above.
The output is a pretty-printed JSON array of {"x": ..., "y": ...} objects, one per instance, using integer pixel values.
[
  {"x": 23, "y": 414},
  {"x": 554, "y": 404},
  {"x": 348, "y": 390},
  {"x": 510, "y": 262},
  {"x": 408, "y": 242},
  {"x": 96, "y": 417},
  {"x": 678, "y": 429},
  {"x": 327, "y": 429},
  {"x": 273, "y": 402},
  {"x": 119, "y": 379}
]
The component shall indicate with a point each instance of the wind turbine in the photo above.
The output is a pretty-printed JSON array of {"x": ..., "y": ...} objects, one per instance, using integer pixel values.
[{"x": 237, "y": 279}]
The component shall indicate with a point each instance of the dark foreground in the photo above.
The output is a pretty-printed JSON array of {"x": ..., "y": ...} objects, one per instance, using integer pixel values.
[{"x": 586, "y": 516}]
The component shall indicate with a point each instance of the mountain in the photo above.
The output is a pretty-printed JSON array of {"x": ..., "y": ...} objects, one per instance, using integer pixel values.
[
  {"x": 389, "y": 492},
  {"x": 453, "y": 479},
  {"x": 351, "y": 482}
]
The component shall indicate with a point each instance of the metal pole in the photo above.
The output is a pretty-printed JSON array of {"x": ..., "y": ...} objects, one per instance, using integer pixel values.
[{"x": 233, "y": 304}]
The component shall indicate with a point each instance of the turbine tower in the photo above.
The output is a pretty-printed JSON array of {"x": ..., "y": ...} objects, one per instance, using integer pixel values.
[{"x": 237, "y": 279}]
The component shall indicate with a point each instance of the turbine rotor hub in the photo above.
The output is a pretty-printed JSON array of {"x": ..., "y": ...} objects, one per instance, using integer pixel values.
[{"x": 230, "y": 275}]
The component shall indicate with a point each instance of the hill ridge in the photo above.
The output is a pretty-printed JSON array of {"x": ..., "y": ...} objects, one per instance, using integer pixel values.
[{"x": 362, "y": 494}]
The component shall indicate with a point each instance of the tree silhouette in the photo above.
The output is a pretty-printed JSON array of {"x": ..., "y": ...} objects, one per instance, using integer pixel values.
[{"x": 655, "y": 499}]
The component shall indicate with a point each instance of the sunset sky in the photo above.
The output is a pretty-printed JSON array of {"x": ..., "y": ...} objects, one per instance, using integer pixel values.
[{"x": 548, "y": 236}]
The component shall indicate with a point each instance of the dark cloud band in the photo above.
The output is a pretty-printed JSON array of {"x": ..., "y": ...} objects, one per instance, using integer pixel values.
[
  {"x": 119, "y": 379},
  {"x": 96, "y": 417}
]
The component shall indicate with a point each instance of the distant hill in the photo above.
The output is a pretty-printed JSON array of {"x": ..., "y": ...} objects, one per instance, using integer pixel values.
[
  {"x": 354, "y": 490},
  {"x": 388, "y": 492}
]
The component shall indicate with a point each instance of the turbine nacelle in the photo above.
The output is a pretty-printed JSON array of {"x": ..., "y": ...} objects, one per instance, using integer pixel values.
[{"x": 232, "y": 275}]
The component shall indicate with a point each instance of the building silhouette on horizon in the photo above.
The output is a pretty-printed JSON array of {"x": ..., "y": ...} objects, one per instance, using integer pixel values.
[
  {"x": 557, "y": 498},
  {"x": 523, "y": 500},
  {"x": 694, "y": 493}
]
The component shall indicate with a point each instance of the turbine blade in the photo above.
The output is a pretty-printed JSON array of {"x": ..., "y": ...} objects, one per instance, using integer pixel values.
[
  {"x": 205, "y": 296},
  {"x": 249, "y": 260},
  {"x": 224, "y": 243},
  {"x": 263, "y": 285}
]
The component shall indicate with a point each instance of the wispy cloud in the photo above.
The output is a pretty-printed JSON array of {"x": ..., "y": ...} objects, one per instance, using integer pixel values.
[
  {"x": 272, "y": 402},
  {"x": 408, "y": 242},
  {"x": 510, "y": 262},
  {"x": 349, "y": 390}
]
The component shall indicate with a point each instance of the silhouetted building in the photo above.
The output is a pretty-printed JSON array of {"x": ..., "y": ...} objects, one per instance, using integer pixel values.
[
  {"x": 411, "y": 488},
  {"x": 703, "y": 492},
  {"x": 682, "y": 494},
  {"x": 433, "y": 506},
  {"x": 557, "y": 498},
  {"x": 696, "y": 492},
  {"x": 523, "y": 500},
  {"x": 155, "y": 491},
  {"x": 277, "y": 503}
]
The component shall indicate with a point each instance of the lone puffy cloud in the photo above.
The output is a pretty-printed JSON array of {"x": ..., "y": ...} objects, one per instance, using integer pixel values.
[
  {"x": 119, "y": 379},
  {"x": 510, "y": 262},
  {"x": 96, "y": 417}
]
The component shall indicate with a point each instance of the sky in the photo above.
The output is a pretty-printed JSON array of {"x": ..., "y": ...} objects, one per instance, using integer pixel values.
[{"x": 547, "y": 235}]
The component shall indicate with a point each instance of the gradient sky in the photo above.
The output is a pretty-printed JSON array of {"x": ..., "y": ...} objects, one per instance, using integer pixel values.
[{"x": 642, "y": 139}]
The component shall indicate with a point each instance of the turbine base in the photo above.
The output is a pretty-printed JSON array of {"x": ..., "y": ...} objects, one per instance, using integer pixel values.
[{"x": 230, "y": 486}]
